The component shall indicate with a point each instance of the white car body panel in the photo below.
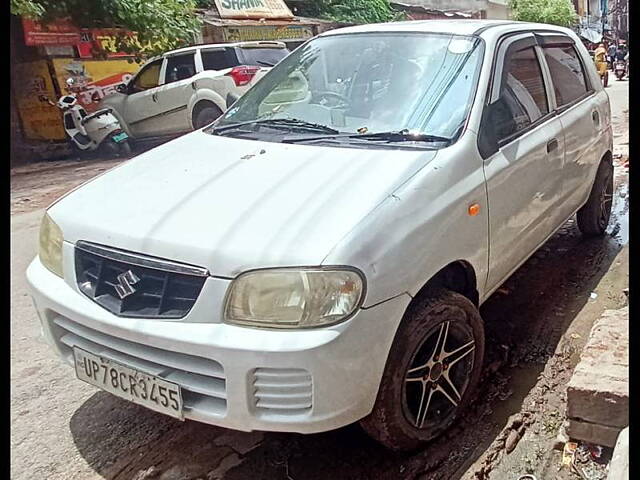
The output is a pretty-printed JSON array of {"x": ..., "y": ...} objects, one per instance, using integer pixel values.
[{"x": 399, "y": 216}]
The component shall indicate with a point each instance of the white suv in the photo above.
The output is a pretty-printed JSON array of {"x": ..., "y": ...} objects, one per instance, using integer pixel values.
[
  {"x": 189, "y": 88},
  {"x": 317, "y": 256}
]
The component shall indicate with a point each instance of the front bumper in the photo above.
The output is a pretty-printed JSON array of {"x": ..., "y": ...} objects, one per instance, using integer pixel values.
[{"x": 241, "y": 378}]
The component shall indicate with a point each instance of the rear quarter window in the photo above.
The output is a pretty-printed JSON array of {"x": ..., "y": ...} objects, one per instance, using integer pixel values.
[
  {"x": 261, "y": 57},
  {"x": 218, "y": 59},
  {"x": 567, "y": 73}
]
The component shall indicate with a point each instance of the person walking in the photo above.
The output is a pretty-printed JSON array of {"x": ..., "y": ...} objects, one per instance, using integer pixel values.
[
  {"x": 611, "y": 52},
  {"x": 600, "y": 59}
]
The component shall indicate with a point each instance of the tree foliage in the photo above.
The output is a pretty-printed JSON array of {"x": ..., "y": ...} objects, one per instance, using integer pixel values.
[
  {"x": 555, "y": 12},
  {"x": 160, "y": 25},
  {"x": 351, "y": 11}
]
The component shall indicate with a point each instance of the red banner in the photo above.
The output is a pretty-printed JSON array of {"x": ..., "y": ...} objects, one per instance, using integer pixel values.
[{"x": 59, "y": 32}]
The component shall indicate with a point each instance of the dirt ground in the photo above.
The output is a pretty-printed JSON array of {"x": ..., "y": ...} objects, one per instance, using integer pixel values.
[{"x": 537, "y": 324}]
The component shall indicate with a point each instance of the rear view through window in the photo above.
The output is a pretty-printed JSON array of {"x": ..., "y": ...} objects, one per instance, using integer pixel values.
[
  {"x": 261, "y": 57},
  {"x": 569, "y": 80}
]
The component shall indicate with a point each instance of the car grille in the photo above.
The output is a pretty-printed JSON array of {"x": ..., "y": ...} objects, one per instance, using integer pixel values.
[{"x": 132, "y": 285}]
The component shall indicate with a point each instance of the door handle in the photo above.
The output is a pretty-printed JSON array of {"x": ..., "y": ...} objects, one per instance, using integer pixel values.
[
  {"x": 552, "y": 145},
  {"x": 595, "y": 116},
  {"x": 154, "y": 97}
]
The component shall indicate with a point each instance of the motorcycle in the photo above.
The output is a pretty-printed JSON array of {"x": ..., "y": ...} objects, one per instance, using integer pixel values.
[
  {"x": 620, "y": 69},
  {"x": 90, "y": 132}
]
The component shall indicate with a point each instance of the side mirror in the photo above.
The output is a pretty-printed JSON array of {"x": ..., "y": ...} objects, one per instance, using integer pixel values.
[
  {"x": 121, "y": 88},
  {"x": 232, "y": 98},
  {"x": 488, "y": 142}
]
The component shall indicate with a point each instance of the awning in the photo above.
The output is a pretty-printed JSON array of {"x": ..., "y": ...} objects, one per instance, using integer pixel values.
[
  {"x": 285, "y": 30},
  {"x": 590, "y": 34}
]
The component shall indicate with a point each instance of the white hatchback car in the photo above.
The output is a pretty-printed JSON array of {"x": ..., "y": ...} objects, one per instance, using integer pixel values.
[{"x": 317, "y": 256}]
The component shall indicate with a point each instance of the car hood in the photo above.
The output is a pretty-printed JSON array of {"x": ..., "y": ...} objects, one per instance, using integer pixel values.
[{"x": 231, "y": 205}]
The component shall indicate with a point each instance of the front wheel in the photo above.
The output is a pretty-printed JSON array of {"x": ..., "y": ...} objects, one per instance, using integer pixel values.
[
  {"x": 594, "y": 215},
  {"x": 431, "y": 374}
]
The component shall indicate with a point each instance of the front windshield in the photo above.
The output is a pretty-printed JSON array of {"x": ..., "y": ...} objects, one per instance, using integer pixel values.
[{"x": 370, "y": 83}]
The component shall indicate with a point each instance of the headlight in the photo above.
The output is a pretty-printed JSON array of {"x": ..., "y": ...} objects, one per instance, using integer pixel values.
[
  {"x": 51, "y": 245},
  {"x": 294, "y": 298}
]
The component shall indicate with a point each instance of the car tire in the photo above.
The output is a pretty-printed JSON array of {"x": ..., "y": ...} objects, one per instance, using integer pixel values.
[
  {"x": 205, "y": 116},
  {"x": 594, "y": 215},
  {"x": 400, "y": 412}
]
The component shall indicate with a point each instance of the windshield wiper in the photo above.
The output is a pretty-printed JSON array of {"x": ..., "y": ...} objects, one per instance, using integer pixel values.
[
  {"x": 289, "y": 123},
  {"x": 266, "y": 64},
  {"x": 389, "y": 137}
]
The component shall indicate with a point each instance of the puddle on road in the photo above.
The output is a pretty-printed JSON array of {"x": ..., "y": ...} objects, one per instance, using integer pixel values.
[{"x": 619, "y": 223}]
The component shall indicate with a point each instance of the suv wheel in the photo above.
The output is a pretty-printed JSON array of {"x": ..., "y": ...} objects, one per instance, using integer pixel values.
[
  {"x": 594, "y": 215},
  {"x": 431, "y": 373},
  {"x": 206, "y": 115}
]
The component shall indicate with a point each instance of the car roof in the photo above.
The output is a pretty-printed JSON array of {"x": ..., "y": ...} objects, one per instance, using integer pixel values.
[
  {"x": 224, "y": 45},
  {"x": 456, "y": 27}
]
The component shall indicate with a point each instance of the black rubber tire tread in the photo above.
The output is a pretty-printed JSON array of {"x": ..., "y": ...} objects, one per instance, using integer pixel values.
[
  {"x": 125, "y": 149},
  {"x": 589, "y": 214},
  {"x": 387, "y": 423},
  {"x": 205, "y": 116}
]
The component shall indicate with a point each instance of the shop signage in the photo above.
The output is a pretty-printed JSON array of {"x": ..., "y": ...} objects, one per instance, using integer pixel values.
[
  {"x": 253, "y": 9},
  {"x": 251, "y": 33},
  {"x": 59, "y": 32}
]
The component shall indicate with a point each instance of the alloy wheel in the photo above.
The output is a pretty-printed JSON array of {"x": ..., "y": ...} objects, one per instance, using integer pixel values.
[{"x": 438, "y": 376}]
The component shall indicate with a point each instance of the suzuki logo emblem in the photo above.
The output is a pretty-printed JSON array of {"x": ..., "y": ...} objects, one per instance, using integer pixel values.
[{"x": 126, "y": 281}]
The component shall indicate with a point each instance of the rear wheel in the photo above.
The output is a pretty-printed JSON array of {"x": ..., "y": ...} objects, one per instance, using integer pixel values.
[
  {"x": 110, "y": 147},
  {"x": 206, "y": 115},
  {"x": 125, "y": 148},
  {"x": 594, "y": 215},
  {"x": 431, "y": 373}
]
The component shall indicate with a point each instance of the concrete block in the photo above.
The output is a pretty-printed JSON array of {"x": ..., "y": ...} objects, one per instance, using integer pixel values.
[
  {"x": 598, "y": 392},
  {"x": 619, "y": 465},
  {"x": 593, "y": 432}
]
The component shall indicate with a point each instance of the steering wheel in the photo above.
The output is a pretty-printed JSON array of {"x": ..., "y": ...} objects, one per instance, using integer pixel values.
[{"x": 342, "y": 100}]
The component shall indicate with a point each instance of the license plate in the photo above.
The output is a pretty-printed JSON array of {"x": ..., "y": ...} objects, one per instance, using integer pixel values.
[
  {"x": 138, "y": 387},
  {"x": 120, "y": 137}
]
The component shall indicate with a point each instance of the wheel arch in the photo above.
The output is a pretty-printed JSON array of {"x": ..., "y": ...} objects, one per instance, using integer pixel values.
[
  {"x": 458, "y": 276},
  {"x": 202, "y": 99}
]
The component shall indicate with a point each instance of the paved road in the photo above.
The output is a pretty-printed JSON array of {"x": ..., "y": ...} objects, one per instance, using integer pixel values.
[{"x": 65, "y": 429}]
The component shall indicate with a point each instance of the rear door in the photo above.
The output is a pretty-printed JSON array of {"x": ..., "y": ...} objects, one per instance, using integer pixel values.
[
  {"x": 524, "y": 177},
  {"x": 141, "y": 105},
  {"x": 581, "y": 115},
  {"x": 174, "y": 94}
]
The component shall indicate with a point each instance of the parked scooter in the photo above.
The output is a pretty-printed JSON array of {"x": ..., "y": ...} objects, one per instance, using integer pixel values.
[
  {"x": 620, "y": 69},
  {"x": 89, "y": 132}
]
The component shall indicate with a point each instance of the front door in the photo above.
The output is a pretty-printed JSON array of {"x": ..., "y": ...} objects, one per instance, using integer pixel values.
[
  {"x": 524, "y": 177},
  {"x": 141, "y": 105},
  {"x": 174, "y": 95}
]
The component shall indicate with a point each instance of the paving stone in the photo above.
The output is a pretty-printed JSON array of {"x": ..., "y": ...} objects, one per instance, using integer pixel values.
[{"x": 598, "y": 392}]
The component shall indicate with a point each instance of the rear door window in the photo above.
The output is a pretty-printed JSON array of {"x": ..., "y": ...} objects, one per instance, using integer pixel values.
[
  {"x": 218, "y": 59},
  {"x": 567, "y": 73},
  {"x": 523, "y": 98},
  {"x": 180, "y": 67},
  {"x": 261, "y": 57}
]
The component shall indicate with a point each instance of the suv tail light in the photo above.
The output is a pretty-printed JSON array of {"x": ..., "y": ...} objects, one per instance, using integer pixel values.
[{"x": 243, "y": 74}]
